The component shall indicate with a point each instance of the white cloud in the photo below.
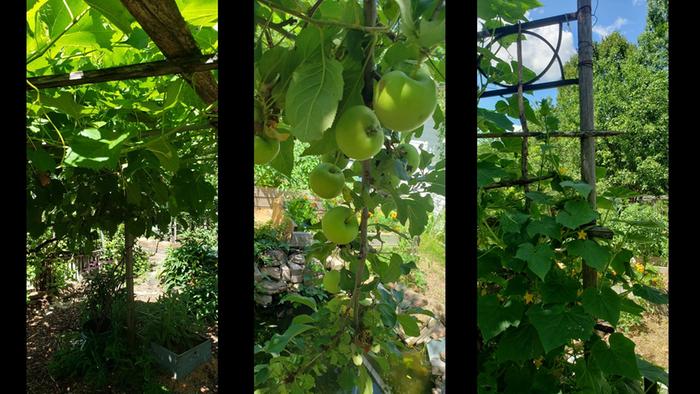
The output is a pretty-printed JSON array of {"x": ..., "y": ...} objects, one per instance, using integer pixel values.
[
  {"x": 637, "y": 2},
  {"x": 537, "y": 54},
  {"x": 605, "y": 31}
]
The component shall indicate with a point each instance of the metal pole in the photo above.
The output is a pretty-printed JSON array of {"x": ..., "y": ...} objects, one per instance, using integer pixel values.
[{"x": 585, "y": 71}]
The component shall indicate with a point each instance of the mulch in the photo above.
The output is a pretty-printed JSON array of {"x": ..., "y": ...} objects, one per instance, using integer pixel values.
[{"x": 48, "y": 319}]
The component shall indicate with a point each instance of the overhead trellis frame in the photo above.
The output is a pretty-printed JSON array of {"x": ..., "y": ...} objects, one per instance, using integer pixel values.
[
  {"x": 165, "y": 25},
  {"x": 134, "y": 71}
]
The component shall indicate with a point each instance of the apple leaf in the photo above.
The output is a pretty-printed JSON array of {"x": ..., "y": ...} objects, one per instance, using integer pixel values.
[
  {"x": 409, "y": 325},
  {"x": 284, "y": 161},
  {"x": 279, "y": 342},
  {"x": 312, "y": 98},
  {"x": 331, "y": 280}
]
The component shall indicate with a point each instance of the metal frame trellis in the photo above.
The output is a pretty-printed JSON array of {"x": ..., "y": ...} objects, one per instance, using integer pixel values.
[
  {"x": 587, "y": 133},
  {"x": 525, "y": 28}
]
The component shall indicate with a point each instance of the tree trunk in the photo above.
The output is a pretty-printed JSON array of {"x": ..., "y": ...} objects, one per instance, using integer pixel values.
[{"x": 129, "y": 263}]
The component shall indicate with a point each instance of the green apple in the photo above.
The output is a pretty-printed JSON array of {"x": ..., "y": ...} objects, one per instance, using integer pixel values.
[
  {"x": 409, "y": 153},
  {"x": 403, "y": 103},
  {"x": 340, "y": 225},
  {"x": 357, "y": 359},
  {"x": 336, "y": 157},
  {"x": 359, "y": 134},
  {"x": 376, "y": 348},
  {"x": 326, "y": 180},
  {"x": 265, "y": 149}
]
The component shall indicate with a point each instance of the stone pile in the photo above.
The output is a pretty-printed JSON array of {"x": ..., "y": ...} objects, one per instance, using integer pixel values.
[{"x": 279, "y": 272}]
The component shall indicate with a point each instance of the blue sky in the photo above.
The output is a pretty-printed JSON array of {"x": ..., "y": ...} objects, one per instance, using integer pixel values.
[{"x": 626, "y": 16}]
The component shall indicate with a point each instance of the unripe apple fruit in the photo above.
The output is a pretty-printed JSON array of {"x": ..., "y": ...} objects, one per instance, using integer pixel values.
[
  {"x": 409, "y": 153},
  {"x": 359, "y": 134},
  {"x": 403, "y": 103},
  {"x": 340, "y": 225},
  {"x": 265, "y": 149},
  {"x": 357, "y": 359},
  {"x": 326, "y": 180}
]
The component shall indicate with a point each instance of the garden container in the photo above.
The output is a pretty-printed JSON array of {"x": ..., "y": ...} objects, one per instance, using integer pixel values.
[{"x": 181, "y": 365}]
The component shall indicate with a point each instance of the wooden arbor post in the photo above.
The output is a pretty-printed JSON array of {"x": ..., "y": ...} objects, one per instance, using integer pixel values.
[{"x": 585, "y": 72}]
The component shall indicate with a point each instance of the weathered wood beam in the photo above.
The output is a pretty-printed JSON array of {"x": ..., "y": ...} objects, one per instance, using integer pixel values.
[
  {"x": 164, "y": 24},
  {"x": 133, "y": 71}
]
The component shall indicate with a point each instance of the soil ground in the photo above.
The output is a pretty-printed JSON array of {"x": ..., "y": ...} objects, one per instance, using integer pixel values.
[
  {"x": 651, "y": 336},
  {"x": 48, "y": 320}
]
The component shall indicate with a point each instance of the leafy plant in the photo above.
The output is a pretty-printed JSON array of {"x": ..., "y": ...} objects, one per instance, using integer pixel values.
[
  {"x": 192, "y": 270},
  {"x": 114, "y": 250},
  {"x": 302, "y": 211},
  {"x": 268, "y": 237},
  {"x": 545, "y": 278},
  {"x": 170, "y": 324}
]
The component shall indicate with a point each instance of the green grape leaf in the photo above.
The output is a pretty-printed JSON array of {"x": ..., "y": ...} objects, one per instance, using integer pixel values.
[
  {"x": 115, "y": 12},
  {"x": 92, "y": 148}
]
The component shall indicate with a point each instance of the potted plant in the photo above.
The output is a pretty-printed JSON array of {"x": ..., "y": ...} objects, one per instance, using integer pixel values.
[{"x": 176, "y": 339}]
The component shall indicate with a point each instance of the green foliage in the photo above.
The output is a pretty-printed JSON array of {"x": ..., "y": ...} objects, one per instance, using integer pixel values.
[
  {"x": 268, "y": 237},
  {"x": 302, "y": 211},
  {"x": 631, "y": 88},
  {"x": 105, "y": 360},
  {"x": 268, "y": 176},
  {"x": 533, "y": 311},
  {"x": 114, "y": 250},
  {"x": 192, "y": 270},
  {"x": 170, "y": 323}
]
